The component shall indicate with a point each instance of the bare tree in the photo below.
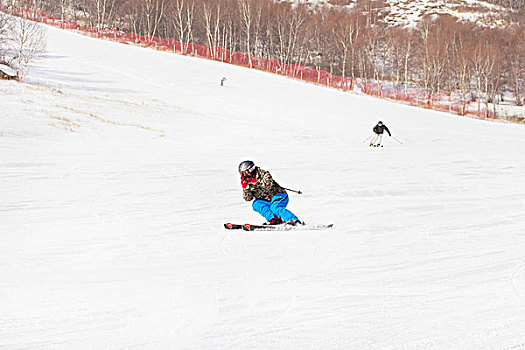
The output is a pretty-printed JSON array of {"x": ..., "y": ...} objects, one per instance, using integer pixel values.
[
  {"x": 433, "y": 54},
  {"x": 346, "y": 32},
  {"x": 182, "y": 14},
  {"x": 374, "y": 53},
  {"x": 29, "y": 42},
  {"x": 405, "y": 48},
  {"x": 460, "y": 67},
  {"x": 102, "y": 11},
  {"x": 249, "y": 13},
  {"x": 246, "y": 9},
  {"x": 230, "y": 32},
  {"x": 153, "y": 12},
  {"x": 320, "y": 32},
  {"x": 212, "y": 16},
  {"x": 130, "y": 11},
  {"x": 290, "y": 22},
  {"x": 515, "y": 61},
  {"x": 6, "y": 39}
]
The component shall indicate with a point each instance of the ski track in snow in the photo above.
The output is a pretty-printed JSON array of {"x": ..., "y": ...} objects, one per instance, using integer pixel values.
[
  {"x": 518, "y": 281},
  {"x": 118, "y": 170}
]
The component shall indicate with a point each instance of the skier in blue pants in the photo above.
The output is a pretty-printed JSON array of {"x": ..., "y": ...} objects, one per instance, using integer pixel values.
[
  {"x": 276, "y": 207},
  {"x": 270, "y": 199}
]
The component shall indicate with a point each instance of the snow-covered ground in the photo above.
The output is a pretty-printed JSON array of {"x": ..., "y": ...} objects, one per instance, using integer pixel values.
[
  {"x": 410, "y": 12},
  {"x": 118, "y": 168}
]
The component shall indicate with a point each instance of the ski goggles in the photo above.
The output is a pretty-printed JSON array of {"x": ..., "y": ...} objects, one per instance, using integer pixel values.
[{"x": 250, "y": 172}]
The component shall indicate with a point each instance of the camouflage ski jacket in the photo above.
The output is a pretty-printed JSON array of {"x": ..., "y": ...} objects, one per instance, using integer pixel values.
[{"x": 264, "y": 189}]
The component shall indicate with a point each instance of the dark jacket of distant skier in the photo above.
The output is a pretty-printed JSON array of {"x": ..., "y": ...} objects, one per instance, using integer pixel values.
[
  {"x": 380, "y": 128},
  {"x": 270, "y": 199}
]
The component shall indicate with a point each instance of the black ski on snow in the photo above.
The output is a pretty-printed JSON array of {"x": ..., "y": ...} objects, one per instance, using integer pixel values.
[
  {"x": 230, "y": 226},
  {"x": 286, "y": 227},
  {"x": 280, "y": 227}
]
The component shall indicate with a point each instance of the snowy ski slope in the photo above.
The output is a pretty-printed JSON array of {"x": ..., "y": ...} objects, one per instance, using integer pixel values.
[{"x": 118, "y": 169}]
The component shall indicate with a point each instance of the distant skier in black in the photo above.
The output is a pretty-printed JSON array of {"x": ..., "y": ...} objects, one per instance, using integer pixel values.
[{"x": 378, "y": 130}]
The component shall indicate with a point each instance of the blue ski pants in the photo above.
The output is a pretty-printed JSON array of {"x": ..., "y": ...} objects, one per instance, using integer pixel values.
[{"x": 275, "y": 207}]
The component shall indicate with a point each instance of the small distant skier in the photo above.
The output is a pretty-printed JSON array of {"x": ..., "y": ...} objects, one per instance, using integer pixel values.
[
  {"x": 223, "y": 80},
  {"x": 378, "y": 130},
  {"x": 270, "y": 199}
]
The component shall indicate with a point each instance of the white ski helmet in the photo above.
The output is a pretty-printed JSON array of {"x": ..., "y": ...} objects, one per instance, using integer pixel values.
[{"x": 246, "y": 166}]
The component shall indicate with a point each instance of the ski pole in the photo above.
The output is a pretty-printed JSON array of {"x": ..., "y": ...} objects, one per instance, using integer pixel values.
[
  {"x": 395, "y": 138},
  {"x": 368, "y": 138},
  {"x": 299, "y": 192}
]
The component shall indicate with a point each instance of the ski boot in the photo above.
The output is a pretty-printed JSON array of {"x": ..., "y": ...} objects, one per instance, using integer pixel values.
[
  {"x": 295, "y": 223},
  {"x": 274, "y": 221}
]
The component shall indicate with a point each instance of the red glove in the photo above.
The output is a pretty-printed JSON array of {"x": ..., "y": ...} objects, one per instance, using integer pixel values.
[{"x": 246, "y": 182}]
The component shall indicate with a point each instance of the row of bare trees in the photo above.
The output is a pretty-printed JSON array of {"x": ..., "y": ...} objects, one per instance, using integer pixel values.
[
  {"x": 478, "y": 64},
  {"x": 439, "y": 55}
]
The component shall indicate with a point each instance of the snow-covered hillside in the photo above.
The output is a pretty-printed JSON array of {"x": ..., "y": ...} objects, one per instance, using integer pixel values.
[
  {"x": 410, "y": 12},
  {"x": 118, "y": 169}
]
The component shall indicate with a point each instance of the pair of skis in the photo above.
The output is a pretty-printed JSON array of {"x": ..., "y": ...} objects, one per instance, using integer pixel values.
[{"x": 280, "y": 227}]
